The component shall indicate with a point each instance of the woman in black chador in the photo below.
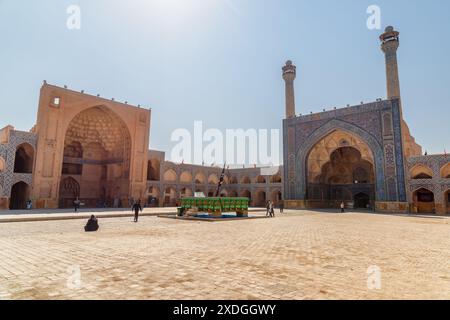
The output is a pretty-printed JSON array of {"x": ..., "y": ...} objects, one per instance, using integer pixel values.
[{"x": 92, "y": 224}]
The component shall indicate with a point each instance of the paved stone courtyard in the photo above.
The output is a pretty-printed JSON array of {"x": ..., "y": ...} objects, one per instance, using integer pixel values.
[{"x": 299, "y": 255}]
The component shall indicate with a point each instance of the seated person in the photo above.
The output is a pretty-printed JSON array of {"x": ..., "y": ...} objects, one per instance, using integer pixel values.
[{"x": 92, "y": 224}]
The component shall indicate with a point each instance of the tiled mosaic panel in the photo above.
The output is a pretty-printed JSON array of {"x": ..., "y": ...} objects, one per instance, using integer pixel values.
[{"x": 8, "y": 152}]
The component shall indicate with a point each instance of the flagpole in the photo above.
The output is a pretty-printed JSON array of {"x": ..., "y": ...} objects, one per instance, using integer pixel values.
[{"x": 222, "y": 177}]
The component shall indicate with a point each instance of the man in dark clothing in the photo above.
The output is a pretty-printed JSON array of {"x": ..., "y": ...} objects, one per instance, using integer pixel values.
[
  {"x": 281, "y": 206},
  {"x": 136, "y": 208},
  {"x": 92, "y": 224},
  {"x": 77, "y": 204},
  {"x": 268, "y": 208}
]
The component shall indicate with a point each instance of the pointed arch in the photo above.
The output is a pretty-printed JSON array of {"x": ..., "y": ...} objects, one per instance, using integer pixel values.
[
  {"x": 170, "y": 175},
  {"x": 97, "y": 148},
  {"x": 445, "y": 171},
  {"x": 421, "y": 171},
  {"x": 213, "y": 179},
  {"x": 24, "y": 158},
  {"x": 69, "y": 190},
  {"x": 275, "y": 178},
  {"x": 333, "y": 125},
  {"x": 233, "y": 180},
  {"x": 260, "y": 179},
  {"x": 246, "y": 180},
  {"x": 186, "y": 177},
  {"x": 200, "y": 178},
  {"x": 20, "y": 193},
  {"x": 424, "y": 200}
]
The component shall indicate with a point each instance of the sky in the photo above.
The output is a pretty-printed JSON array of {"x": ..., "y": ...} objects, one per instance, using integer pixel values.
[{"x": 219, "y": 61}]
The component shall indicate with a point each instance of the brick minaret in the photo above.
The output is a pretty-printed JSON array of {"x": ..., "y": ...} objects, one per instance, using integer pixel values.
[
  {"x": 289, "y": 74},
  {"x": 389, "y": 45}
]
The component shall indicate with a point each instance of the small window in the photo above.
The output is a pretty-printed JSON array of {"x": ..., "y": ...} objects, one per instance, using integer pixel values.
[{"x": 56, "y": 101}]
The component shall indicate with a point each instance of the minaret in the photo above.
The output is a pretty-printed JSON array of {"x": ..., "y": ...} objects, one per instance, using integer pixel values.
[
  {"x": 389, "y": 45},
  {"x": 289, "y": 74}
]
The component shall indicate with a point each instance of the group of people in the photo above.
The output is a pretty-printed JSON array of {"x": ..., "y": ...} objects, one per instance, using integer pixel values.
[{"x": 271, "y": 208}]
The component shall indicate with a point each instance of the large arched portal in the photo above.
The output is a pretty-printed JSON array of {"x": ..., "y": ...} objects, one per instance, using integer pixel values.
[
  {"x": 97, "y": 153},
  {"x": 341, "y": 167},
  {"x": 20, "y": 194}
]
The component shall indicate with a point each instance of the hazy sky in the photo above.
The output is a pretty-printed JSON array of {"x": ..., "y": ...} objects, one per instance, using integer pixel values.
[{"x": 220, "y": 60}]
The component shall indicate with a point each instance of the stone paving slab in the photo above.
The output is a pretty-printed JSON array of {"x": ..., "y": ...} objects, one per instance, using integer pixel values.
[{"x": 299, "y": 255}]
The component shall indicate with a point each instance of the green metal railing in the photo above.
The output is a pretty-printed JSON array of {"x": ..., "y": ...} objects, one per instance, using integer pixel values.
[{"x": 216, "y": 205}]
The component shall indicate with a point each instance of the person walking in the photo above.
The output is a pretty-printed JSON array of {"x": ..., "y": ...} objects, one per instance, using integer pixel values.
[
  {"x": 281, "y": 206},
  {"x": 342, "y": 207},
  {"x": 271, "y": 209},
  {"x": 136, "y": 208},
  {"x": 76, "y": 204},
  {"x": 268, "y": 208}
]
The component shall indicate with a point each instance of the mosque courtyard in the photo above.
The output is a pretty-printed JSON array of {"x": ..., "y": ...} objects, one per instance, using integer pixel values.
[{"x": 297, "y": 255}]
